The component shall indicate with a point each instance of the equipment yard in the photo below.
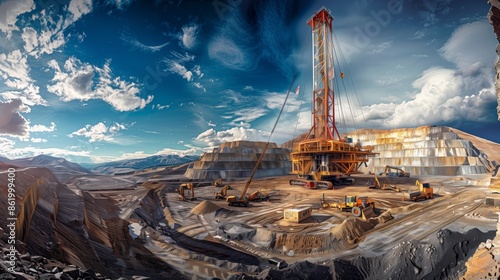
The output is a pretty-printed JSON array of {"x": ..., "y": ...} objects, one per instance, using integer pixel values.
[{"x": 211, "y": 239}]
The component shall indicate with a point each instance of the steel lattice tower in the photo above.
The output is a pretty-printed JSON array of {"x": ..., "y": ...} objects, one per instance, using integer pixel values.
[{"x": 323, "y": 151}]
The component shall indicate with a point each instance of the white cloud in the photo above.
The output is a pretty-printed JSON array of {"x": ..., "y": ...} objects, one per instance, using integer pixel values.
[
  {"x": 122, "y": 95},
  {"x": 14, "y": 65},
  {"x": 11, "y": 121},
  {"x": 420, "y": 55},
  {"x": 189, "y": 33},
  {"x": 248, "y": 114},
  {"x": 380, "y": 47},
  {"x": 14, "y": 70},
  {"x": 50, "y": 34},
  {"x": 10, "y": 10},
  {"x": 160, "y": 107},
  {"x": 99, "y": 132},
  {"x": 275, "y": 100},
  {"x": 210, "y": 123},
  {"x": 174, "y": 65},
  {"x": 38, "y": 140},
  {"x": 463, "y": 48},
  {"x": 78, "y": 8},
  {"x": 6, "y": 145},
  {"x": 389, "y": 81},
  {"x": 213, "y": 138},
  {"x": 76, "y": 82},
  {"x": 136, "y": 44},
  {"x": 120, "y": 4},
  {"x": 226, "y": 52},
  {"x": 42, "y": 128},
  {"x": 448, "y": 96},
  {"x": 197, "y": 70}
]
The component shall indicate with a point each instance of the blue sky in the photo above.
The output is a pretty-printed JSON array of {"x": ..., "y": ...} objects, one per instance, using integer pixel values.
[{"x": 95, "y": 81}]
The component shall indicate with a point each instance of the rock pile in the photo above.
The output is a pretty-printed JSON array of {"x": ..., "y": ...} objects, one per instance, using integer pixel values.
[
  {"x": 28, "y": 266},
  {"x": 485, "y": 263}
]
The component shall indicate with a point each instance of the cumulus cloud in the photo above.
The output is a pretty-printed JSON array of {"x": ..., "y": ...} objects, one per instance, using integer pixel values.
[
  {"x": 82, "y": 81},
  {"x": 49, "y": 35},
  {"x": 78, "y": 8},
  {"x": 14, "y": 69},
  {"x": 74, "y": 82},
  {"x": 99, "y": 132},
  {"x": 447, "y": 96},
  {"x": 14, "y": 65},
  {"x": 42, "y": 128},
  {"x": 11, "y": 121},
  {"x": 122, "y": 95},
  {"x": 189, "y": 34},
  {"x": 213, "y": 138},
  {"x": 10, "y": 10}
]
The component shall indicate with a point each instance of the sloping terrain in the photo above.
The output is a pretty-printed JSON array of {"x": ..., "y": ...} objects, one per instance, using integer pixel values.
[
  {"x": 75, "y": 227},
  {"x": 62, "y": 169},
  {"x": 131, "y": 165}
]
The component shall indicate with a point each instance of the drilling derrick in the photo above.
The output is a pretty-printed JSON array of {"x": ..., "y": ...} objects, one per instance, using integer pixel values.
[{"x": 323, "y": 153}]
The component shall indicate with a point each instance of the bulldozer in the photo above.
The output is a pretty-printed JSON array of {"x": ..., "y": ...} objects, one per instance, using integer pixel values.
[
  {"x": 425, "y": 192},
  {"x": 377, "y": 185},
  {"x": 223, "y": 192},
  {"x": 400, "y": 173},
  {"x": 356, "y": 204},
  {"x": 181, "y": 190}
]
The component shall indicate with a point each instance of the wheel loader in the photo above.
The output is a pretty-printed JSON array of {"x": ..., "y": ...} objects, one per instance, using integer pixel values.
[{"x": 355, "y": 204}]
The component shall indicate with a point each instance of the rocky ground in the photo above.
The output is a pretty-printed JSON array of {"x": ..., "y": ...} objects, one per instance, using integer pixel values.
[{"x": 157, "y": 236}]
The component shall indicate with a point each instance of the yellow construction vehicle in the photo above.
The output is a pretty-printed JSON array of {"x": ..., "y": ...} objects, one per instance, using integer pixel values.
[
  {"x": 217, "y": 183},
  {"x": 181, "y": 189},
  {"x": 258, "y": 195},
  {"x": 425, "y": 192},
  {"x": 377, "y": 185},
  {"x": 355, "y": 204},
  {"x": 223, "y": 192},
  {"x": 400, "y": 173}
]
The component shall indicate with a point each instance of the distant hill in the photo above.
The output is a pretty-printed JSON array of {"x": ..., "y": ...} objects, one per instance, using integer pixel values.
[
  {"x": 131, "y": 165},
  {"x": 62, "y": 169}
]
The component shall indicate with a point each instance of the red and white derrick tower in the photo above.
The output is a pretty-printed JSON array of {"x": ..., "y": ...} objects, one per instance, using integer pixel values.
[{"x": 323, "y": 151}]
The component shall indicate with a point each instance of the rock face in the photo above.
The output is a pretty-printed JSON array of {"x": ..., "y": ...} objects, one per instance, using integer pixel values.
[
  {"x": 494, "y": 18},
  {"x": 237, "y": 159},
  {"x": 426, "y": 150},
  {"x": 485, "y": 263}
]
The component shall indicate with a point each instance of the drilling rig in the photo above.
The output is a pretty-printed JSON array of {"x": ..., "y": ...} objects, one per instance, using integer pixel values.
[{"x": 323, "y": 158}]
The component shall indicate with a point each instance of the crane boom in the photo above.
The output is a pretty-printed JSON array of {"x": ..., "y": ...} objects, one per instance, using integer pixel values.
[{"x": 254, "y": 170}]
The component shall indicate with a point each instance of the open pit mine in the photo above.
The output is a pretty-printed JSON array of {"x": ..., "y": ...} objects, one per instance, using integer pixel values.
[{"x": 409, "y": 203}]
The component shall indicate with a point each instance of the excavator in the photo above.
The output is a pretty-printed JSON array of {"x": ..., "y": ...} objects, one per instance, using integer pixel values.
[
  {"x": 377, "y": 185},
  {"x": 258, "y": 195},
  {"x": 181, "y": 189},
  {"x": 243, "y": 199},
  {"x": 400, "y": 173},
  {"x": 217, "y": 183},
  {"x": 223, "y": 192}
]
